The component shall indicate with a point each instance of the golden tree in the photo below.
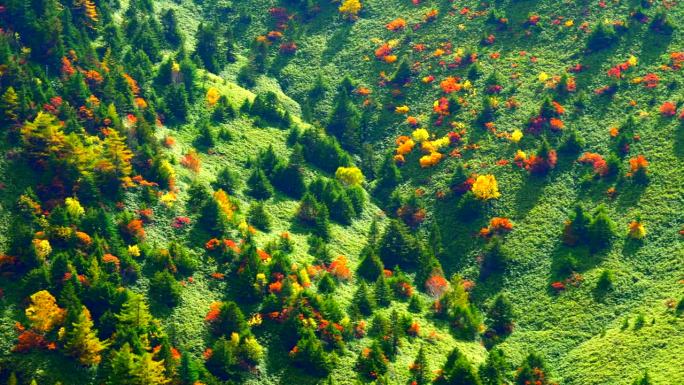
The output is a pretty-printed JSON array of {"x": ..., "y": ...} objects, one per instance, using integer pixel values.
[
  {"x": 350, "y": 176},
  {"x": 350, "y": 8},
  {"x": 9, "y": 103},
  {"x": 43, "y": 313},
  {"x": 486, "y": 187}
]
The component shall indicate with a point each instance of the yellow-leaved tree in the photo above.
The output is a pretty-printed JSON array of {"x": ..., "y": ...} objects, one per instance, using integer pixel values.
[
  {"x": 486, "y": 187},
  {"x": 213, "y": 96},
  {"x": 350, "y": 8},
  {"x": 351, "y": 176},
  {"x": 43, "y": 313}
]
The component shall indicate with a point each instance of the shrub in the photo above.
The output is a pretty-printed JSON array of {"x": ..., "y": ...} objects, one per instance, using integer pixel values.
[{"x": 605, "y": 282}]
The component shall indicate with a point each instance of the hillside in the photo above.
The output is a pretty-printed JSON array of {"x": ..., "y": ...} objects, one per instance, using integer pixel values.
[{"x": 373, "y": 191}]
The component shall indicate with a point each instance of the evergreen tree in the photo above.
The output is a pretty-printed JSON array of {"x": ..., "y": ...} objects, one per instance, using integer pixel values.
[
  {"x": 496, "y": 259},
  {"x": 457, "y": 371},
  {"x": 258, "y": 217},
  {"x": 189, "y": 369},
  {"x": 224, "y": 358},
  {"x": 383, "y": 291},
  {"x": 420, "y": 370},
  {"x": 645, "y": 380},
  {"x": 371, "y": 266},
  {"x": 165, "y": 289},
  {"x": 532, "y": 371},
  {"x": 398, "y": 247},
  {"x": 311, "y": 356},
  {"x": 172, "y": 33},
  {"x": 373, "y": 363},
  {"x": 81, "y": 340},
  {"x": 230, "y": 320},
  {"x": 500, "y": 315},
  {"x": 259, "y": 185},
  {"x": 389, "y": 176},
  {"x": 493, "y": 370},
  {"x": 209, "y": 49},
  {"x": 345, "y": 120},
  {"x": 326, "y": 284},
  {"x": 364, "y": 300},
  {"x": 601, "y": 230},
  {"x": 227, "y": 180}
]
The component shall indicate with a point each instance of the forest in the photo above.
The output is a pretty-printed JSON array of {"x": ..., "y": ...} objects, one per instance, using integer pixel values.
[{"x": 341, "y": 192}]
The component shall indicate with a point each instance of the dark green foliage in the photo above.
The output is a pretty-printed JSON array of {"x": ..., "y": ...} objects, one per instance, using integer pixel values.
[
  {"x": 389, "y": 176},
  {"x": 373, "y": 362},
  {"x": 605, "y": 282},
  {"x": 457, "y": 371},
  {"x": 165, "y": 289},
  {"x": 212, "y": 218},
  {"x": 223, "y": 110},
  {"x": 415, "y": 304},
  {"x": 224, "y": 359},
  {"x": 206, "y": 137},
  {"x": 311, "y": 356},
  {"x": 259, "y": 185},
  {"x": 398, "y": 247},
  {"x": 227, "y": 180},
  {"x": 371, "y": 266},
  {"x": 495, "y": 260},
  {"x": 572, "y": 143},
  {"x": 383, "y": 291},
  {"x": 602, "y": 36},
  {"x": 212, "y": 52},
  {"x": 176, "y": 102},
  {"x": 336, "y": 197},
  {"x": 323, "y": 151},
  {"x": 268, "y": 111},
  {"x": 500, "y": 315},
  {"x": 345, "y": 120},
  {"x": 403, "y": 73},
  {"x": 680, "y": 307},
  {"x": 313, "y": 213},
  {"x": 230, "y": 320},
  {"x": 258, "y": 217},
  {"x": 532, "y": 371},
  {"x": 493, "y": 370},
  {"x": 326, "y": 284},
  {"x": 364, "y": 301},
  {"x": 645, "y": 380},
  {"x": 420, "y": 370},
  {"x": 601, "y": 230},
  {"x": 169, "y": 23}
]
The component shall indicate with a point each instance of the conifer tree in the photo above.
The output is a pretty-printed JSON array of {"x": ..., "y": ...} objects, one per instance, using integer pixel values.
[
  {"x": 500, "y": 315},
  {"x": 345, "y": 119},
  {"x": 9, "y": 105},
  {"x": 259, "y": 185},
  {"x": 493, "y": 370},
  {"x": 420, "y": 370},
  {"x": 81, "y": 339},
  {"x": 383, "y": 291}
]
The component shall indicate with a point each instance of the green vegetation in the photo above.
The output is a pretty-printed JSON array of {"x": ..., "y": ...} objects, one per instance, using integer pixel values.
[{"x": 356, "y": 191}]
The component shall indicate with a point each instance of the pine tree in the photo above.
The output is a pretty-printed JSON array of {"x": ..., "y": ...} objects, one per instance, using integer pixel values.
[
  {"x": 364, "y": 300},
  {"x": 230, "y": 320},
  {"x": 420, "y": 369},
  {"x": 500, "y": 315},
  {"x": 389, "y": 176},
  {"x": 81, "y": 340},
  {"x": 147, "y": 371},
  {"x": 383, "y": 291},
  {"x": 224, "y": 358},
  {"x": 496, "y": 259},
  {"x": 9, "y": 105},
  {"x": 227, "y": 180},
  {"x": 493, "y": 370},
  {"x": 371, "y": 266},
  {"x": 645, "y": 380},
  {"x": 398, "y": 247},
  {"x": 457, "y": 371},
  {"x": 189, "y": 371},
  {"x": 165, "y": 289},
  {"x": 259, "y": 185},
  {"x": 122, "y": 366},
  {"x": 259, "y": 217},
  {"x": 133, "y": 322},
  {"x": 601, "y": 229},
  {"x": 345, "y": 120},
  {"x": 532, "y": 371}
]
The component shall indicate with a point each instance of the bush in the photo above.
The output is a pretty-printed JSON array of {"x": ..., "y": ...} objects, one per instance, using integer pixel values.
[
  {"x": 605, "y": 282},
  {"x": 165, "y": 289}
]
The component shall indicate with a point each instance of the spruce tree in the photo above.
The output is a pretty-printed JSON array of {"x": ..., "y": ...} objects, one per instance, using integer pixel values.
[
  {"x": 500, "y": 315},
  {"x": 81, "y": 339},
  {"x": 382, "y": 291},
  {"x": 493, "y": 370},
  {"x": 345, "y": 120},
  {"x": 259, "y": 185},
  {"x": 258, "y": 217},
  {"x": 364, "y": 300}
]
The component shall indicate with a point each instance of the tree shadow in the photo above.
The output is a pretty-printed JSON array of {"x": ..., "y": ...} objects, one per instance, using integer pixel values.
[
  {"x": 678, "y": 143},
  {"x": 336, "y": 42}
]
